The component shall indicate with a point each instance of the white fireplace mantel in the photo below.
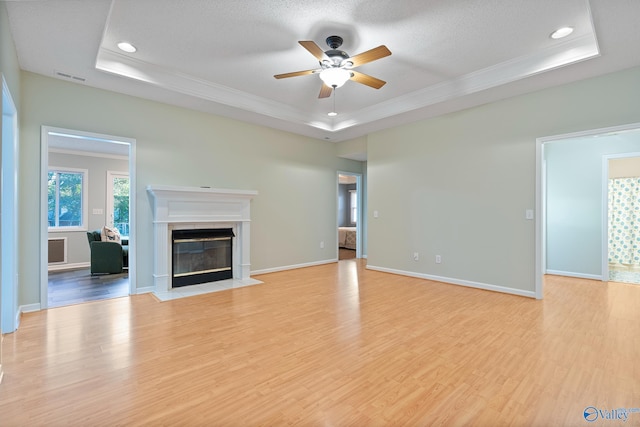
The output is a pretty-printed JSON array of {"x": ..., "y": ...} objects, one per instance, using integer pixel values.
[{"x": 199, "y": 207}]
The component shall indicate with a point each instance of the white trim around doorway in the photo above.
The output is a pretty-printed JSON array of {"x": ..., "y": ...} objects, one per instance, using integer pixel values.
[{"x": 44, "y": 161}]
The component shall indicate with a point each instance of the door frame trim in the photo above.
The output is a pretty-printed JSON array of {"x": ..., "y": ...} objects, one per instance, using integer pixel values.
[
  {"x": 9, "y": 309},
  {"x": 44, "y": 162}
]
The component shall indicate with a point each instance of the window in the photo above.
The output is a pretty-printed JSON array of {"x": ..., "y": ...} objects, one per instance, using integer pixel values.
[
  {"x": 354, "y": 206},
  {"x": 118, "y": 201},
  {"x": 67, "y": 205}
]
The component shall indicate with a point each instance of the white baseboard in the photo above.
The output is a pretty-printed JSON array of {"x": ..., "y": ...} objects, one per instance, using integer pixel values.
[
  {"x": 28, "y": 308},
  {"x": 572, "y": 274},
  {"x": 449, "y": 280},
  {"x": 75, "y": 266},
  {"x": 145, "y": 290},
  {"x": 293, "y": 267},
  {"x": 25, "y": 309}
]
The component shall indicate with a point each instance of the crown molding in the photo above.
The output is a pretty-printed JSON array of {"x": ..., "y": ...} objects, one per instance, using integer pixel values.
[{"x": 558, "y": 55}]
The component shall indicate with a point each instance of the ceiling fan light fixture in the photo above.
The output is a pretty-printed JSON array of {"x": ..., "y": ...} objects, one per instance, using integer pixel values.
[
  {"x": 332, "y": 114},
  {"x": 335, "y": 77}
]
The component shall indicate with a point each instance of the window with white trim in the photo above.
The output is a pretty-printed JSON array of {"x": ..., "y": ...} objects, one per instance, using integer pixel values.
[{"x": 67, "y": 199}]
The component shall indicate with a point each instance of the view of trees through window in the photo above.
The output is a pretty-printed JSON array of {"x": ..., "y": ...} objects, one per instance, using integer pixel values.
[
  {"x": 65, "y": 198},
  {"x": 121, "y": 205}
]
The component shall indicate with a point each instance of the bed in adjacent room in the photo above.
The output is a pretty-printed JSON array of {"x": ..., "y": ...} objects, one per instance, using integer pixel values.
[{"x": 347, "y": 237}]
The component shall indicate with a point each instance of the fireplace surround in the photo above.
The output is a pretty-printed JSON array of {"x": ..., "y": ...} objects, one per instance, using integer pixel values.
[{"x": 192, "y": 208}]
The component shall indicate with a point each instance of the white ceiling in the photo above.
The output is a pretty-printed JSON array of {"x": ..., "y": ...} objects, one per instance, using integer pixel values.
[
  {"x": 75, "y": 142},
  {"x": 220, "y": 56}
]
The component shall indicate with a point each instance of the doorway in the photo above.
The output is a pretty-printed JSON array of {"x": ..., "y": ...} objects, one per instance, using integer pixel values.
[
  {"x": 349, "y": 215},
  {"x": 622, "y": 197},
  {"x": 8, "y": 214},
  {"x": 106, "y": 197},
  {"x": 571, "y": 200}
]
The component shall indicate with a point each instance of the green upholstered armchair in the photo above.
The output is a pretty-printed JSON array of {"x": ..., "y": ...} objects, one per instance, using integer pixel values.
[{"x": 107, "y": 257}]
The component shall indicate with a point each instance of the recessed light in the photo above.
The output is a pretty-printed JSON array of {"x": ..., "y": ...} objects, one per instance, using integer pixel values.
[
  {"x": 332, "y": 114},
  {"x": 127, "y": 47},
  {"x": 561, "y": 33}
]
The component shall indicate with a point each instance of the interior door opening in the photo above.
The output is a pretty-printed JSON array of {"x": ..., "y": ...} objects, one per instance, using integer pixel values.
[
  {"x": 81, "y": 195},
  {"x": 572, "y": 207},
  {"x": 8, "y": 215},
  {"x": 622, "y": 175},
  {"x": 349, "y": 215}
]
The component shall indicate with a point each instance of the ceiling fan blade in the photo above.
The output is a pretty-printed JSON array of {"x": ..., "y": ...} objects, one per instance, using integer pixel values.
[
  {"x": 314, "y": 49},
  {"x": 367, "y": 80},
  {"x": 294, "y": 74},
  {"x": 325, "y": 91},
  {"x": 370, "y": 55}
]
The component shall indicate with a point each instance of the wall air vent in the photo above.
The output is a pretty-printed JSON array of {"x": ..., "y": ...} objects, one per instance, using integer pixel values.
[{"x": 68, "y": 76}]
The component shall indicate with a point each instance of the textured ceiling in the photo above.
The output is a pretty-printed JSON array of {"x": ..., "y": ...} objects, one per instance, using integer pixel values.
[{"x": 220, "y": 56}]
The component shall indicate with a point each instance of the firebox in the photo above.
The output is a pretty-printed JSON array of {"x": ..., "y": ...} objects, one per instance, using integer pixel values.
[{"x": 201, "y": 256}]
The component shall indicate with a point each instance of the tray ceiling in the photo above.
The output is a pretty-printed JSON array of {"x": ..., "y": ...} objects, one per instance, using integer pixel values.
[{"x": 220, "y": 56}]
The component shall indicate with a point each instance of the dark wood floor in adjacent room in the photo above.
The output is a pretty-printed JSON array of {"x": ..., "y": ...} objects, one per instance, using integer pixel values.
[
  {"x": 336, "y": 345},
  {"x": 78, "y": 286}
]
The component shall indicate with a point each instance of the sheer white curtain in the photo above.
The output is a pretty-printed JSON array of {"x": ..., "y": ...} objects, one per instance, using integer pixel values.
[{"x": 624, "y": 221}]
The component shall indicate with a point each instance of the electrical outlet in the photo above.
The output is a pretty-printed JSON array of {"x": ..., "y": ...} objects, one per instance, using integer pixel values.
[
  {"x": 322, "y": 244},
  {"x": 438, "y": 259},
  {"x": 416, "y": 256}
]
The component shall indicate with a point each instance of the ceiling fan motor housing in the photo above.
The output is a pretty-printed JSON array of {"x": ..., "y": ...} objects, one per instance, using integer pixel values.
[
  {"x": 337, "y": 56},
  {"x": 334, "y": 42}
]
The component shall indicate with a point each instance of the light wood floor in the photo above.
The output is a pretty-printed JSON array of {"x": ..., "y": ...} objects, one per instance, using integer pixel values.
[{"x": 330, "y": 345}]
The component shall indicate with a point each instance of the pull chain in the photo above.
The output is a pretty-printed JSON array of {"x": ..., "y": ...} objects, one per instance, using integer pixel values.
[{"x": 333, "y": 113}]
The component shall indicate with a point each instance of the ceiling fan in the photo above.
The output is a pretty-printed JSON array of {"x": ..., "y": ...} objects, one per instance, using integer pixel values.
[{"x": 336, "y": 66}]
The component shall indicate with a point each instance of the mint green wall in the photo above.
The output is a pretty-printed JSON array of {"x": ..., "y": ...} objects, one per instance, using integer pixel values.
[
  {"x": 295, "y": 176},
  {"x": 574, "y": 200},
  {"x": 458, "y": 185},
  {"x": 9, "y": 66}
]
